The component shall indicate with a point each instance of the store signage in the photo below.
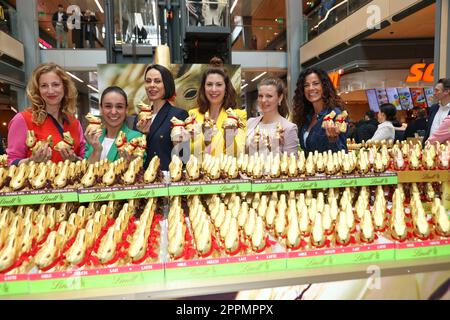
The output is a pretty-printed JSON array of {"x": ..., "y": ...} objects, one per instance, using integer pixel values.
[
  {"x": 336, "y": 77},
  {"x": 421, "y": 72}
]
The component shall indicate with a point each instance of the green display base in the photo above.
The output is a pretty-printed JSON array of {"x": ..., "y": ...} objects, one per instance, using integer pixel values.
[
  {"x": 422, "y": 249},
  {"x": 341, "y": 256},
  {"x": 207, "y": 268},
  {"x": 122, "y": 193},
  {"x": 14, "y": 285},
  {"x": 362, "y": 256},
  {"x": 288, "y": 184},
  {"x": 38, "y": 197},
  {"x": 323, "y": 182},
  {"x": 212, "y": 187}
]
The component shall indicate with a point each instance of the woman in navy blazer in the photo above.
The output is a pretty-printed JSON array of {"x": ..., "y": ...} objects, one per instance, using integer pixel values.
[{"x": 160, "y": 88}]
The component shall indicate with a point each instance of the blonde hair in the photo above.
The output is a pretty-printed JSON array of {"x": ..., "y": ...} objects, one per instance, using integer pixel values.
[{"x": 69, "y": 101}]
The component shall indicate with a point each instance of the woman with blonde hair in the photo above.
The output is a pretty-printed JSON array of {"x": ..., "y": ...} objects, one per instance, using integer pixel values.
[
  {"x": 217, "y": 94},
  {"x": 53, "y": 98},
  {"x": 271, "y": 128}
]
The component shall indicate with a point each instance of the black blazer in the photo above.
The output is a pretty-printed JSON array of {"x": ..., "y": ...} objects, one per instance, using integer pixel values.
[
  {"x": 158, "y": 138},
  {"x": 433, "y": 110},
  {"x": 64, "y": 18}
]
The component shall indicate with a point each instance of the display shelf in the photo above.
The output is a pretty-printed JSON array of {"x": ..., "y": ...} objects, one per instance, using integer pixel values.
[
  {"x": 122, "y": 192},
  {"x": 323, "y": 182},
  {"x": 38, "y": 197},
  {"x": 53, "y": 282},
  {"x": 210, "y": 187},
  {"x": 222, "y": 284},
  {"x": 422, "y": 249},
  {"x": 409, "y": 176},
  {"x": 341, "y": 256},
  {"x": 225, "y": 266}
]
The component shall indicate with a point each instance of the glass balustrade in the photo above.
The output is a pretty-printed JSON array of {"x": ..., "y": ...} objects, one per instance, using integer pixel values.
[{"x": 328, "y": 14}]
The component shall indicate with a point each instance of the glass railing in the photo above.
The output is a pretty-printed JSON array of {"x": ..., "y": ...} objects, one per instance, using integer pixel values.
[
  {"x": 261, "y": 37},
  {"x": 8, "y": 20},
  {"x": 136, "y": 21},
  {"x": 328, "y": 14},
  {"x": 207, "y": 13}
]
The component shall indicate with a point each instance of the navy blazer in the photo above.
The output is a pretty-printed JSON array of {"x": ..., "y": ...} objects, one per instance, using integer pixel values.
[
  {"x": 317, "y": 138},
  {"x": 158, "y": 138},
  {"x": 433, "y": 110}
]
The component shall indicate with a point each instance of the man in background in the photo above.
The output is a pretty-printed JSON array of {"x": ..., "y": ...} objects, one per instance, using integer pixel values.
[
  {"x": 59, "y": 21},
  {"x": 441, "y": 109}
]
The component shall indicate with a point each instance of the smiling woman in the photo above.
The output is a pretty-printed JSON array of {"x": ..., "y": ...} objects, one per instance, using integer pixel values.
[
  {"x": 53, "y": 99},
  {"x": 217, "y": 94},
  {"x": 315, "y": 97},
  {"x": 101, "y": 144}
]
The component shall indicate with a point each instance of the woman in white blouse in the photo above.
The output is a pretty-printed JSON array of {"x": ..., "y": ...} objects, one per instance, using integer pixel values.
[
  {"x": 385, "y": 130},
  {"x": 275, "y": 132}
]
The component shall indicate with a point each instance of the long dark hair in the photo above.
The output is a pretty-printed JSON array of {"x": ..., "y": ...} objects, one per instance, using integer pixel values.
[
  {"x": 167, "y": 79},
  {"x": 302, "y": 107},
  {"x": 283, "y": 108},
  {"x": 229, "y": 100}
]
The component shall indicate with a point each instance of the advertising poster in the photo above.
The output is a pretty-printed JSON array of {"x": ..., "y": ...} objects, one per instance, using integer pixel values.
[
  {"x": 405, "y": 98},
  {"x": 382, "y": 96},
  {"x": 393, "y": 98},
  {"x": 418, "y": 97},
  {"x": 372, "y": 99},
  {"x": 188, "y": 77},
  {"x": 429, "y": 95}
]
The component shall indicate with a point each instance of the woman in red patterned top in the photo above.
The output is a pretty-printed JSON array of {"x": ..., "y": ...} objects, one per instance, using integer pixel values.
[{"x": 53, "y": 98}]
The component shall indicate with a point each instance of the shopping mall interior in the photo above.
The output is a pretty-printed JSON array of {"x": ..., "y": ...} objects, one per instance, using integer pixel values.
[{"x": 375, "y": 52}]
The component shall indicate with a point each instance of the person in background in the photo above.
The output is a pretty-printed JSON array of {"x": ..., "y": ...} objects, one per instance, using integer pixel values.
[
  {"x": 442, "y": 134},
  {"x": 53, "y": 99},
  {"x": 315, "y": 97},
  {"x": 366, "y": 127},
  {"x": 215, "y": 95},
  {"x": 89, "y": 21},
  {"x": 439, "y": 110},
  {"x": 59, "y": 21},
  {"x": 101, "y": 145},
  {"x": 418, "y": 125},
  {"x": 273, "y": 105},
  {"x": 386, "y": 116},
  {"x": 160, "y": 89}
]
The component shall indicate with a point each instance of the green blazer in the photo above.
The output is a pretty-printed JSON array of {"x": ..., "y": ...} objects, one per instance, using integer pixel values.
[{"x": 113, "y": 153}]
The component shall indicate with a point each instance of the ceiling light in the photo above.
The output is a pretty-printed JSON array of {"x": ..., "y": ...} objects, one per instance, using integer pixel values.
[
  {"x": 14, "y": 109},
  {"x": 275, "y": 33},
  {"x": 257, "y": 77},
  {"x": 74, "y": 76},
  {"x": 232, "y": 6},
  {"x": 4, "y": 123},
  {"x": 99, "y": 6},
  {"x": 92, "y": 88},
  {"x": 245, "y": 85}
]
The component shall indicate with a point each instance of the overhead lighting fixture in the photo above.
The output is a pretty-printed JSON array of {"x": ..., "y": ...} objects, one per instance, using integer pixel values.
[
  {"x": 232, "y": 6},
  {"x": 99, "y": 6},
  {"x": 4, "y": 123},
  {"x": 74, "y": 76},
  {"x": 92, "y": 88},
  {"x": 257, "y": 77},
  {"x": 244, "y": 86},
  {"x": 14, "y": 109}
]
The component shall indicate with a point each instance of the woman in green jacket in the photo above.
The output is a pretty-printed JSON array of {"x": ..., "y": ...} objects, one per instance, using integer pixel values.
[{"x": 101, "y": 145}]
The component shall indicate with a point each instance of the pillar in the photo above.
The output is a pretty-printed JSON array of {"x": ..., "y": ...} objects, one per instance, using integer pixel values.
[
  {"x": 441, "y": 41},
  {"x": 29, "y": 33},
  {"x": 294, "y": 34}
]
